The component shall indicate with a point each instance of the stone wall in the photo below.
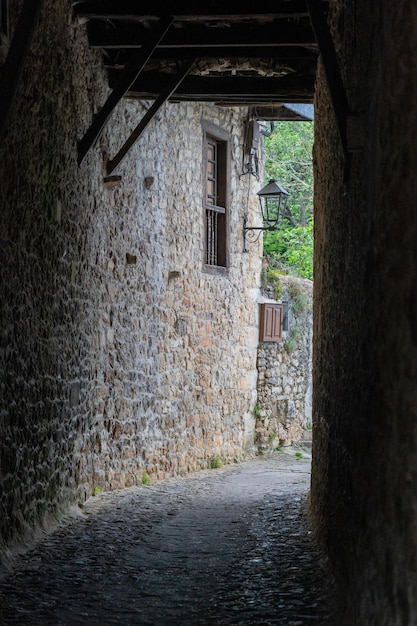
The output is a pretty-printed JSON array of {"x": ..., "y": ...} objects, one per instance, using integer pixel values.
[
  {"x": 284, "y": 385},
  {"x": 365, "y": 376},
  {"x": 119, "y": 355}
]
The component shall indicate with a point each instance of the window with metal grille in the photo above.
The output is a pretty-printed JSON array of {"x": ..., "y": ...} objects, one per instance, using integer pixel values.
[{"x": 216, "y": 167}]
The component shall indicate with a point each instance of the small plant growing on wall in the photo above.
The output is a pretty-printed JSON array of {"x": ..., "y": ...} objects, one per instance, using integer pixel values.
[
  {"x": 271, "y": 276},
  {"x": 146, "y": 479},
  {"x": 216, "y": 462},
  {"x": 293, "y": 337},
  {"x": 300, "y": 301},
  {"x": 300, "y": 304}
]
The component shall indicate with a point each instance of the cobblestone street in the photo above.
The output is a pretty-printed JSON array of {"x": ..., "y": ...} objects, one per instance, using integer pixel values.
[{"x": 224, "y": 546}]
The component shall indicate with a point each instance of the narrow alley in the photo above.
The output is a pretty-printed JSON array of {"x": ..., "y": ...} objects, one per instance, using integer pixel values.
[{"x": 224, "y": 546}]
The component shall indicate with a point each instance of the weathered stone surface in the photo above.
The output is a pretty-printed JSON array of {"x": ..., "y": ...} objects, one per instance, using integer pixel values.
[
  {"x": 365, "y": 378},
  {"x": 283, "y": 408},
  {"x": 118, "y": 353}
]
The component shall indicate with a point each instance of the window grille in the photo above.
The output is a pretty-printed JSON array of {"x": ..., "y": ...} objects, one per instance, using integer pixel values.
[{"x": 211, "y": 242}]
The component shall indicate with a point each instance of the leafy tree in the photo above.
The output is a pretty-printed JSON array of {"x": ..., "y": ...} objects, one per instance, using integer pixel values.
[{"x": 289, "y": 160}]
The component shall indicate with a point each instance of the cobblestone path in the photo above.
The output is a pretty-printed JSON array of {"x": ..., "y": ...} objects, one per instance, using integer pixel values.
[{"x": 223, "y": 547}]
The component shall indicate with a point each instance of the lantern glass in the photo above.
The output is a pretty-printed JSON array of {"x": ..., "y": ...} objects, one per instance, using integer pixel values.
[{"x": 273, "y": 200}]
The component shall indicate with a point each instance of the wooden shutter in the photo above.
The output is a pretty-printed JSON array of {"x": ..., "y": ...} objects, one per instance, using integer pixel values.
[
  {"x": 211, "y": 168},
  {"x": 270, "y": 322}
]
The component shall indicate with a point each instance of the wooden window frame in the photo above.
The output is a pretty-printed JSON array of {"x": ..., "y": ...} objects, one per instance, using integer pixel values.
[{"x": 216, "y": 198}]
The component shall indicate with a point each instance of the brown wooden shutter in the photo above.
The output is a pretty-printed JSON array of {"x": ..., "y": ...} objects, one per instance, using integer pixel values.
[
  {"x": 270, "y": 322},
  {"x": 211, "y": 169}
]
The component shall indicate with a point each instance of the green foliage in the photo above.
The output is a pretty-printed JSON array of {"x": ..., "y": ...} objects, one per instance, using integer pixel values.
[
  {"x": 274, "y": 276},
  {"x": 257, "y": 411},
  {"x": 216, "y": 462},
  {"x": 146, "y": 479},
  {"x": 289, "y": 160},
  {"x": 292, "y": 248},
  {"x": 96, "y": 491},
  {"x": 293, "y": 338},
  {"x": 300, "y": 299}
]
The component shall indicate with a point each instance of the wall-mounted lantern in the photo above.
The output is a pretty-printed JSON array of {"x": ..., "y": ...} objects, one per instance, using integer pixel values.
[{"x": 273, "y": 200}]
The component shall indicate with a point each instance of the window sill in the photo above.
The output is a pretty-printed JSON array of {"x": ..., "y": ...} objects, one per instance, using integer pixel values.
[{"x": 217, "y": 270}]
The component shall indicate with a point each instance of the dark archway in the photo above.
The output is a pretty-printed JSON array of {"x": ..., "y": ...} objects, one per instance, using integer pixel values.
[{"x": 364, "y": 465}]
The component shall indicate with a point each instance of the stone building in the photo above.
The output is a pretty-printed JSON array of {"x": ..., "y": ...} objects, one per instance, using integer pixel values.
[{"x": 127, "y": 346}]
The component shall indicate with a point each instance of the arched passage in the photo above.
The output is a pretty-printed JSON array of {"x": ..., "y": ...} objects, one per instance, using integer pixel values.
[{"x": 60, "y": 336}]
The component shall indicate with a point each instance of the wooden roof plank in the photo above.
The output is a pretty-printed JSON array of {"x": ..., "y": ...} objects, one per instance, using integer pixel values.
[{"x": 128, "y": 77}]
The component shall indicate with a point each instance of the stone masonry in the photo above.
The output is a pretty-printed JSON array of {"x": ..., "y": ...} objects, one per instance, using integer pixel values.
[
  {"x": 283, "y": 408},
  {"x": 119, "y": 354},
  {"x": 364, "y": 471}
]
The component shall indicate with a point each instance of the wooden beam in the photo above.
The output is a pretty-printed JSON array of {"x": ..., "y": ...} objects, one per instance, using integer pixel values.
[
  {"x": 331, "y": 66},
  {"x": 226, "y": 87},
  {"x": 125, "y": 35},
  {"x": 163, "y": 97},
  {"x": 288, "y": 56},
  {"x": 295, "y": 99},
  {"x": 274, "y": 67},
  {"x": 13, "y": 67},
  {"x": 186, "y": 10},
  {"x": 130, "y": 74}
]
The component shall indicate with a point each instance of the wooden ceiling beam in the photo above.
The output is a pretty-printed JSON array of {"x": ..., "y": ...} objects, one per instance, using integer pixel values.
[
  {"x": 222, "y": 88},
  {"x": 275, "y": 34},
  {"x": 260, "y": 67},
  {"x": 296, "y": 99},
  {"x": 186, "y": 10},
  {"x": 102, "y": 35},
  {"x": 284, "y": 55}
]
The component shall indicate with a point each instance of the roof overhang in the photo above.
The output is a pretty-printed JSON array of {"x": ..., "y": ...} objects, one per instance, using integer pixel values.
[{"x": 261, "y": 56}]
